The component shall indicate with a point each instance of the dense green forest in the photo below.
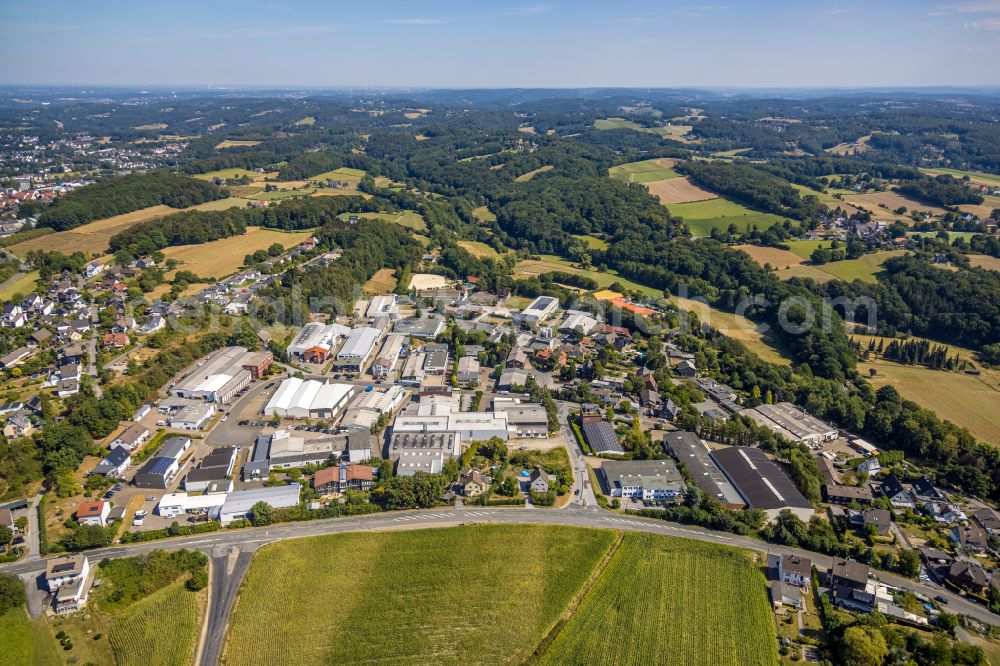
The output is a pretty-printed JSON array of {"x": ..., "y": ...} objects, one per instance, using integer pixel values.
[
  {"x": 753, "y": 187},
  {"x": 124, "y": 194},
  {"x": 940, "y": 191}
]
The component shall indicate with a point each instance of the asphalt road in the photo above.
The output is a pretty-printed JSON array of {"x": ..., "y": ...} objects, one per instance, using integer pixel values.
[
  {"x": 248, "y": 539},
  {"x": 581, "y": 477}
]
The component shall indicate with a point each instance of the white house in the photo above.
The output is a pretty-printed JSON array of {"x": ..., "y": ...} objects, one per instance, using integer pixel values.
[{"x": 93, "y": 513}]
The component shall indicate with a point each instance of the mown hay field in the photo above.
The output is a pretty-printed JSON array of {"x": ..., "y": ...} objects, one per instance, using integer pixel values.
[
  {"x": 891, "y": 200},
  {"x": 663, "y": 600},
  {"x": 525, "y": 177},
  {"x": 642, "y": 172},
  {"x": 472, "y": 594},
  {"x": 92, "y": 237},
  {"x": 778, "y": 258},
  {"x": 383, "y": 282},
  {"x": 719, "y": 213},
  {"x": 985, "y": 261},
  {"x": 235, "y": 143},
  {"x": 974, "y": 176},
  {"x": 478, "y": 249},
  {"x": 737, "y": 327},
  {"x": 224, "y": 257},
  {"x": 161, "y": 629},
  {"x": 679, "y": 190}
]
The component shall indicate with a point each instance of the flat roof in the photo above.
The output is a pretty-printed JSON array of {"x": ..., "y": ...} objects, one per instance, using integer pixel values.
[
  {"x": 759, "y": 481},
  {"x": 688, "y": 448},
  {"x": 359, "y": 343}
]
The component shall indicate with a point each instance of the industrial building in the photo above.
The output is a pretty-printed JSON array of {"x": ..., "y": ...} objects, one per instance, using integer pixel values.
[
  {"x": 215, "y": 467},
  {"x": 413, "y": 370},
  {"x": 388, "y": 356},
  {"x": 580, "y": 323},
  {"x": 193, "y": 417},
  {"x": 423, "y": 451},
  {"x": 383, "y": 306},
  {"x": 222, "y": 376},
  {"x": 284, "y": 450},
  {"x": 601, "y": 437},
  {"x": 357, "y": 348},
  {"x": 794, "y": 424},
  {"x": 537, "y": 311},
  {"x": 239, "y": 503},
  {"x": 314, "y": 341},
  {"x": 470, "y": 426},
  {"x": 161, "y": 469},
  {"x": 426, "y": 328},
  {"x": 690, "y": 451},
  {"x": 525, "y": 420},
  {"x": 760, "y": 482},
  {"x": 308, "y": 399},
  {"x": 365, "y": 410},
  {"x": 657, "y": 480}
]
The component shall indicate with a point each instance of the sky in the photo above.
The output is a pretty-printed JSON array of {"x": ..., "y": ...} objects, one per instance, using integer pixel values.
[{"x": 505, "y": 43}]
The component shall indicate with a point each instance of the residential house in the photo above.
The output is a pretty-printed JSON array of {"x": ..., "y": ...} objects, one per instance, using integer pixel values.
[
  {"x": 65, "y": 569},
  {"x": 93, "y": 513},
  {"x": 972, "y": 538},
  {"x": 795, "y": 570},
  {"x": 848, "y": 582},
  {"x": 881, "y": 519},
  {"x": 115, "y": 463},
  {"x": 783, "y": 594},
  {"x": 870, "y": 465},
  {"x": 132, "y": 438},
  {"x": 970, "y": 576},
  {"x": 540, "y": 480},
  {"x": 343, "y": 477},
  {"x": 898, "y": 496},
  {"x": 472, "y": 483},
  {"x": 18, "y": 425},
  {"x": 988, "y": 520},
  {"x": 114, "y": 341}
]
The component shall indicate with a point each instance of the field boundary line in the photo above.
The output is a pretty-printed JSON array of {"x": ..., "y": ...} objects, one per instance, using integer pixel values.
[{"x": 553, "y": 633}]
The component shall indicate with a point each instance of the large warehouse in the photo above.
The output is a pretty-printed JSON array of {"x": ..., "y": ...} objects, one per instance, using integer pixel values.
[
  {"x": 760, "y": 482},
  {"x": 689, "y": 450},
  {"x": 308, "y": 399},
  {"x": 314, "y": 341},
  {"x": 224, "y": 375},
  {"x": 357, "y": 348}
]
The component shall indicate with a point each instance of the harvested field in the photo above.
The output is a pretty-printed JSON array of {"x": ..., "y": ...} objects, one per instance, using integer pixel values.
[
  {"x": 983, "y": 210},
  {"x": 985, "y": 261},
  {"x": 642, "y": 172},
  {"x": 308, "y": 120},
  {"x": 427, "y": 281},
  {"x": 93, "y": 237},
  {"x": 383, "y": 282},
  {"x": 235, "y": 173},
  {"x": 151, "y": 126},
  {"x": 525, "y": 177},
  {"x": 407, "y": 218},
  {"x": 678, "y": 190},
  {"x": 734, "y": 326},
  {"x": 804, "y": 271},
  {"x": 225, "y": 256},
  {"x": 778, "y": 258},
  {"x": 232, "y": 143},
  {"x": 478, "y": 249},
  {"x": 222, "y": 204},
  {"x": 892, "y": 200},
  {"x": 548, "y": 263}
]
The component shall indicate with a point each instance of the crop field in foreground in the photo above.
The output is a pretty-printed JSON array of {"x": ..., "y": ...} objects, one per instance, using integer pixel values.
[
  {"x": 474, "y": 594},
  {"x": 160, "y": 629},
  {"x": 662, "y": 600}
]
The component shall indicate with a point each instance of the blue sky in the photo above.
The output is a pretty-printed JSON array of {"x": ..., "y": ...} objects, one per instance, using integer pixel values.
[{"x": 441, "y": 43}]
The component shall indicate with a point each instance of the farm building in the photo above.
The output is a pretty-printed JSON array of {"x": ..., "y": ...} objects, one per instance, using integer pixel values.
[
  {"x": 687, "y": 448},
  {"x": 760, "y": 482},
  {"x": 308, "y": 399}
]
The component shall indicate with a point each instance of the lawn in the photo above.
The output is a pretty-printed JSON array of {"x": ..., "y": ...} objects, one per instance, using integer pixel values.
[
  {"x": 27, "y": 642},
  {"x": 22, "y": 285},
  {"x": 471, "y": 594},
  {"x": 642, "y": 172},
  {"x": 660, "y": 598},
  {"x": 225, "y": 256},
  {"x": 92, "y": 237},
  {"x": 703, "y": 216},
  {"x": 138, "y": 635}
]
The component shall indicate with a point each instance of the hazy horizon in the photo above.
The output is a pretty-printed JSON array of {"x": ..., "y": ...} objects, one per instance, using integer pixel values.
[{"x": 446, "y": 44}]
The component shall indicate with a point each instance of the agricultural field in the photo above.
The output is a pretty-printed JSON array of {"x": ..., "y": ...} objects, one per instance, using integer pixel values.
[
  {"x": 864, "y": 268},
  {"x": 679, "y": 190},
  {"x": 703, "y": 216},
  {"x": 151, "y": 126},
  {"x": 233, "y": 143},
  {"x": 308, "y": 120},
  {"x": 736, "y": 327},
  {"x": 407, "y": 218},
  {"x": 851, "y": 148},
  {"x": 778, "y": 258},
  {"x": 642, "y": 172},
  {"x": 484, "y": 214},
  {"x": 226, "y": 174},
  {"x": 484, "y": 594},
  {"x": 421, "y": 281},
  {"x": 985, "y": 261},
  {"x": 661, "y": 597},
  {"x": 548, "y": 263},
  {"x": 983, "y": 210},
  {"x": 525, "y": 177},
  {"x": 137, "y": 635},
  {"x": 225, "y": 256},
  {"x": 805, "y": 248},
  {"x": 891, "y": 200},
  {"x": 222, "y": 204},
  {"x": 22, "y": 285},
  {"x": 593, "y": 242},
  {"x": 383, "y": 282},
  {"x": 974, "y": 176},
  {"x": 478, "y": 249},
  {"x": 91, "y": 238},
  {"x": 346, "y": 174},
  {"x": 963, "y": 399},
  {"x": 278, "y": 195}
]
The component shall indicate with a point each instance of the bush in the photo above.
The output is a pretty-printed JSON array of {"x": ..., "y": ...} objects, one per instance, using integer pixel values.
[
  {"x": 12, "y": 593},
  {"x": 197, "y": 581}
]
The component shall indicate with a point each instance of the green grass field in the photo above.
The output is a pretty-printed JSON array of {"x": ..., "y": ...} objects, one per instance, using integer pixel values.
[
  {"x": 139, "y": 636},
  {"x": 277, "y": 195},
  {"x": 25, "y": 642},
  {"x": 229, "y": 173},
  {"x": 547, "y": 263},
  {"x": 308, "y": 120},
  {"x": 484, "y": 214},
  {"x": 703, "y": 216},
  {"x": 660, "y": 598},
  {"x": 804, "y": 248},
  {"x": 641, "y": 172},
  {"x": 974, "y": 175},
  {"x": 343, "y": 173},
  {"x": 22, "y": 285},
  {"x": 482, "y": 594},
  {"x": 864, "y": 268},
  {"x": 501, "y": 594},
  {"x": 407, "y": 218},
  {"x": 478, "y": 249},
  {"x": 593, "y": 242},
  {"x": 617, "y": 123}
]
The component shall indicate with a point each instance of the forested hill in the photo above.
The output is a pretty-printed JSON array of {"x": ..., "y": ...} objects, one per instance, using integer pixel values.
[
  {"x": 123, "y": 194},
  {"x": 753, "y": 187}
]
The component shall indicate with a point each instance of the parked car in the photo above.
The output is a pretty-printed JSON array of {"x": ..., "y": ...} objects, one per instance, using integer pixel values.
[{"x": 941, "y": 599}]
